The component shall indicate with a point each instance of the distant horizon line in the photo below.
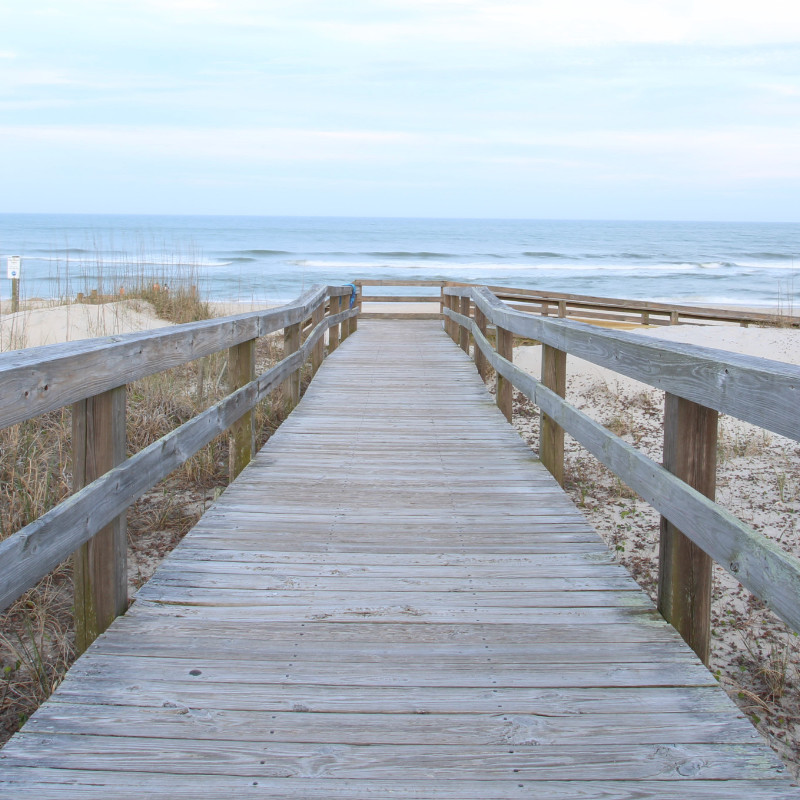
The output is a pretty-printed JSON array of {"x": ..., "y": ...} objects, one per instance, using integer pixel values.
[{"x": 398, "y": 217}]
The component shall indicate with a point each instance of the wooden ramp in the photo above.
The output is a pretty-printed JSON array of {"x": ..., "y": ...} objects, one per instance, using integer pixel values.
[{"x": 394, "y": 600}]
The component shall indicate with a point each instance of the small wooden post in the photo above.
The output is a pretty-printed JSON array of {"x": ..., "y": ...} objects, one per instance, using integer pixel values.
[
  {"x": 14, "y": 295},
  {"x": 464, "y": 333},
  {"x": 452, "y": 330},
  {"x": 333, "y": 331},
  {"x": 684, "y": 576},
  {"x": 505, "y": 348},
  {"x": 674, "y": 318},
  {"x": 354, "y": 320},
  {"x": 318, "y": 351},
  {"x": 290, "y": 388},
  {"x": 344, "y": 328},
  {"x": 551, "y": 435},
  {"x": 242, "y": 438},
  {"x": 481, "y": 363},
  {"x": 350, "y": 324},
  {"x": 562, "y": 308},
  {"x": 645, "y": 317},
  {"x": 100, "y": 575}
]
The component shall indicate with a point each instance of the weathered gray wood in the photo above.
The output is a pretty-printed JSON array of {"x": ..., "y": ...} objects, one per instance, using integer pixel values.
[
  {"x": 242, "y": 438},
  {"x": 29, "y": 554},
  {"x": 412, "y": 626},
  {"x": 757, "y": 562},
  {"x": 394, "y": 298},
  {"x": 481, "y": 364},
  {"x": 627, "y": 305},
  {"x": 464, "y": 332},
  {"x": 42, "y": 379},
  {"x": 99, "y": 565},
  {"x": 334, "y": 330},
  {"x": 551, "y": 436},
  {"x": 684, "y": 577},
  {"x": 318, "y": 351},
  {"x": 505, "y": 388},
  {"x": 756, "y": 390},
  {"x": 290, "y": 390}
]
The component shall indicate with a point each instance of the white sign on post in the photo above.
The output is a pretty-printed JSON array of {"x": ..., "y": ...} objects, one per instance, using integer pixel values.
[{"x": 13, "y": 267}]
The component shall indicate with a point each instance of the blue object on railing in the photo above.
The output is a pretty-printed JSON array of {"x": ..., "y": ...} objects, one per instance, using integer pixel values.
[{"x": 353, "y": 294}]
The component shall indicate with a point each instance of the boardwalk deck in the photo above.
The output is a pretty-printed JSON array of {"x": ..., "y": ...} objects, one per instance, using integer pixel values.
[{"x": 394, "y": 600}]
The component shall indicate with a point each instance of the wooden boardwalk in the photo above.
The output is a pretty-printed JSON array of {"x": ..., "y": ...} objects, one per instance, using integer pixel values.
[{"x": 394, "y": 600}]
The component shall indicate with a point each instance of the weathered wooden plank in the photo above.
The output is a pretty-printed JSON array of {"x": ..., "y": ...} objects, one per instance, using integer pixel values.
[
  {"x": 366, "y": 729},
  {"x": 131, "y": 785},
  {"x": 664, "y": 762}
]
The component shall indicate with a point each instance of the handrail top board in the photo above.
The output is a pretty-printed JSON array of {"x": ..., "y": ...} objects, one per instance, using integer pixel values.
[
  {"x": 757, "y": 390},
  {"x": 45, "y": 378}
]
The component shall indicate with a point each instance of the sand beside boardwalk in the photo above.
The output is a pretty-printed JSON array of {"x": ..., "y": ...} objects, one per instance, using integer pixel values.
[{"x": 68, "y": 323}]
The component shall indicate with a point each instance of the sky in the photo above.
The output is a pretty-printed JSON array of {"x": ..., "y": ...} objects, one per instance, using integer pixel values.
[{"x": 577, "y": 109}]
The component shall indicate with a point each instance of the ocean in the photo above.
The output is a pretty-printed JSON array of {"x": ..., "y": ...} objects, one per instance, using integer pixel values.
[{"x": 272, "y": 259}]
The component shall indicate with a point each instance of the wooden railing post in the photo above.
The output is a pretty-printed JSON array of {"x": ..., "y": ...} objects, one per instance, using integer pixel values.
[
  {"x": 100, "y": 575},
  {"x": 318, "y": 351},
  {"x": 481, "y": 363},
  {"x": 452, "y": 304},
  {"x": 463, "y": 331},
  {"x": 242, "y": 438},
  {"x": 333, "y": 331},
  {"x": 354, "y": 320},
  {"x": 290, "y": 388},
  {"x": 551, "y": 435},
  {"x": 347, "y": 326},
  {"x": 684, "y": 575},
  {"x": 505, "y": 348},
  {"x": 562, "y": 308}
]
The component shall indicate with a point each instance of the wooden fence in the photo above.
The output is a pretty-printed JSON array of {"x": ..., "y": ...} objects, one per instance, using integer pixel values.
[
  {"x": 607, "y": 309},
  {"x": 92, "y": 375},
  {"x": 699, "y": 383}
]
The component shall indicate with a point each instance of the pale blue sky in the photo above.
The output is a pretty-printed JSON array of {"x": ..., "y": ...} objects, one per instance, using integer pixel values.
[{"x": 561, "y": 109}]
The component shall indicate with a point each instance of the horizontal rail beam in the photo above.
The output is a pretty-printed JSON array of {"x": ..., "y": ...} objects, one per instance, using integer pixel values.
[{"x": 390, "y": 298}]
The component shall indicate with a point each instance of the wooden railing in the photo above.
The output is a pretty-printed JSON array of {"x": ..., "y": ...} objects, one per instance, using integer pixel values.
[
  {"x": 699, "y": 383},
  {"x": 607, "y": 309},
  {"x": 92, "y": 375}
]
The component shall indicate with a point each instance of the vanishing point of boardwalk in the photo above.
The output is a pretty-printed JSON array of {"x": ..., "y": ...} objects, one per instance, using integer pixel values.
[{"x": 394, "y": 600}]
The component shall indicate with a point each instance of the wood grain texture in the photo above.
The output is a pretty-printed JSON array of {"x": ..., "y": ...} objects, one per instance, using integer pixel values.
[
  {"x": 394, "y": 599},
  {"x": 551, "y": 435},
  {"x": 99, "y": 565},
  {"x": 684, "y": 569}
]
